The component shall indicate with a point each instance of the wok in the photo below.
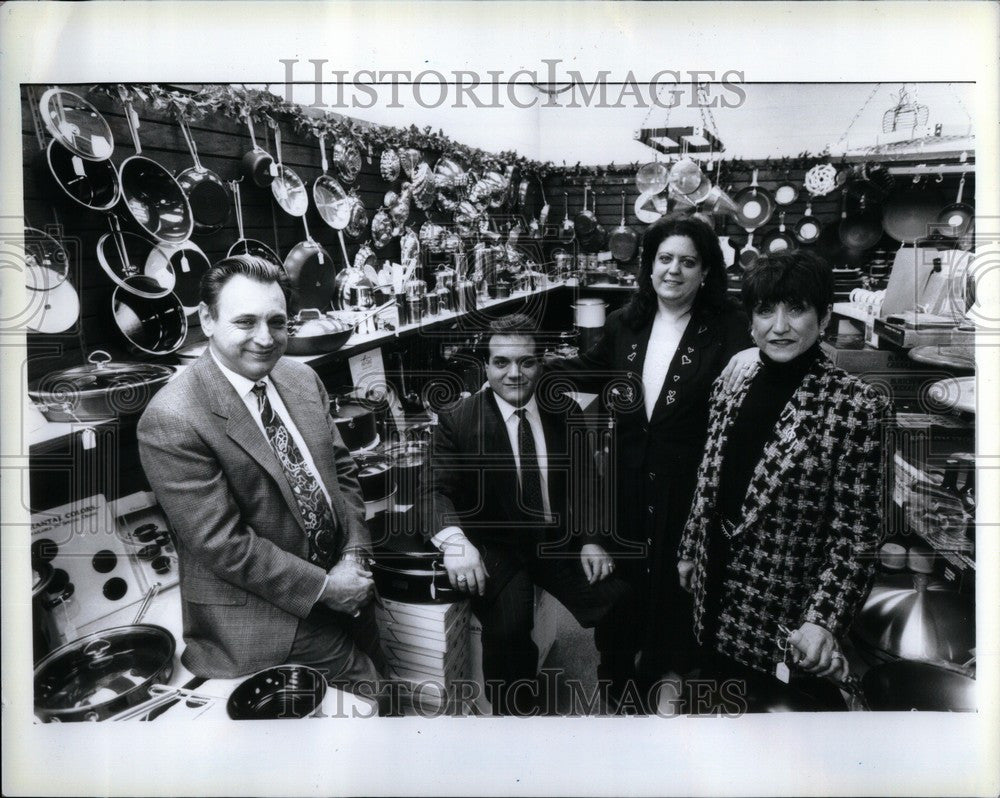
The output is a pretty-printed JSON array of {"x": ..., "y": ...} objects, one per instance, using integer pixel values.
[
  {"x": 151, "y": 195},
  {"x": 910, "y": 212},
  {"x": 205, "y": 190}
]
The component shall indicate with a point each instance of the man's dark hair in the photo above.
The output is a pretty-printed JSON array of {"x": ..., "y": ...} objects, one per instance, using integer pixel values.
[
  {"x": 711, "y": 297},
  {"x": 512, "y": 324},
  {"x": 796, "y": 277},
  {"x": 250, "y": 266}
]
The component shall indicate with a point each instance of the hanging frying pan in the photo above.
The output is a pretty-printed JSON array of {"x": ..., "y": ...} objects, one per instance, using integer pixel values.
[
  {"x": 910, "y": 212},
  {"x": 332, "y": 202},
  {"x": 205, "y": 190},
  {"x": 786, "y": 193},
  {"x": 624, "y": 240},
  {"x": 149, "y": 326},
  {"x": 778, "y": 240},
  {"x": 754, "y": 205},
  {"x": 543, "y": 214},
  {"x": 749, "y": 255},
  {"x": 95, "y": 185},
  {"x": 863, "y": 230},
  {"x": 122, "y": 256},
  {"x": 258, "y": 165},
  {"x": 597, "y": 240},
  {"x": 957, "y": 218},
  {"x": 808, "y": 228},
  {"x": 310, "y": 268},
  {"x": 76, "y": 124},
  {"x": 585, "y": 221},
  {"x": 151, "y": 195},
  {"x": 287, "y": 187},
  {"x": 186, "y": 263},
  {"x": 244, "y": 245}
]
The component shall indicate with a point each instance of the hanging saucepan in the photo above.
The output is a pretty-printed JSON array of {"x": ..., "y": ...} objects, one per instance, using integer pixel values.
[
  {"x": 347, "y": 159},
  {"x": 388, "y": 165},
  {"x": 332, "y": 202},
  {"x": 102, "y": 389},
  {"x": 258, "y": 165},
  {"x": 910, "y": 212},
  {"x": 287, "y": 187},
  {"x": 585, "y": 221},
  {"x": 863, "y": 230},
  {"x": 186, "y": 263},
  {"x": 151, "y": 195},
  {"x": 46, "y": 263},
  {"x": 205, "y": 190},
  {"x": 754, "y": 205},
  {"x": 95, "y": 185},
  {"x": 567, "y": 232},
  {"x": 807, "y": 229},
  {"x": 310, "y": 268},
  {"x": 749, "y": 255},
  {"x": 786, "y": 192},
  {"x": 103, "y": 673},
  {"x": 778, "y": 240},
  {"x": 76, "y": 124},
  {"x": 149, "y": 326},
  {"x": 244, "y": 245},
  {"x": 957, "y": 218},
  {"x": 123, "y": 257},
  {"x": 278, "y": 693}
]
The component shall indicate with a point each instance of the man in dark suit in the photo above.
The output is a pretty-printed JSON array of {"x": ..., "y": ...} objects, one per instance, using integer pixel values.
[
  {"x": 497, "y": 505},
  {"x": 245, "y": 460}
]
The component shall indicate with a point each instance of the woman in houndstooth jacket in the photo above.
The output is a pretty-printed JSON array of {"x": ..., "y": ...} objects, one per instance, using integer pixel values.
[{"x": 787, "y": 515}]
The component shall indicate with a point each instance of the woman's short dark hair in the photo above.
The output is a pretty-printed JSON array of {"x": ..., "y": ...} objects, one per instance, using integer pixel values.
[
  {"x": 710, "y": 297},
  {"x": 798, "y": 277},
  {"x": 250, "y": 266}
]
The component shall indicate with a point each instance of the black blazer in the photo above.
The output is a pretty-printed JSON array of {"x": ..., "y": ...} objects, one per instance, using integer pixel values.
[
  {"x": 673, "y": 438},
  {"x": 472, "y": 477}
]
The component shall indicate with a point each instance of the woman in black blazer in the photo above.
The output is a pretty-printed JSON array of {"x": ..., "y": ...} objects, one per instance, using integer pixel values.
[{"x": 654, "y": 368}]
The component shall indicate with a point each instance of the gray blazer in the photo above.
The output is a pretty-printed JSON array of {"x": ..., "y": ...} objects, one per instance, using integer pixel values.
[{"x": 244, "y": 574}]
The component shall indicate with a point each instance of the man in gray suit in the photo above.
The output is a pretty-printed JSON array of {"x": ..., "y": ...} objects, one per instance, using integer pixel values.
[{"x": 245, "y": 460}]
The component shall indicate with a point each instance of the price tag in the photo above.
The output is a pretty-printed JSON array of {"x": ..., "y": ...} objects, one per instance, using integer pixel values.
[{"x": 782, "y": 672}]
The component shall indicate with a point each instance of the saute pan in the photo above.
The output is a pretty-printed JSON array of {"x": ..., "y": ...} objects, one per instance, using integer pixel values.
[
  {"x": 244, "y": 245},
  {"x": 205, "y": 190}
]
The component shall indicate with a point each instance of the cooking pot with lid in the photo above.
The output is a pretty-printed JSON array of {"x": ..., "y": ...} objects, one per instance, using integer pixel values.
[
  {"x": 409, "y": 462},
  {"x": 102, "y": 389},
  {"x": 355, "y": 420},
  {"x": 101, "y": 674}
]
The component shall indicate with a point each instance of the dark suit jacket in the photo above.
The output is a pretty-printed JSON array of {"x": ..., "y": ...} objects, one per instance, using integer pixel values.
[
  {"x": 811, "y": 519},
  {"x": 472, "y": 478},
  {"x": 244, "y": 574}
]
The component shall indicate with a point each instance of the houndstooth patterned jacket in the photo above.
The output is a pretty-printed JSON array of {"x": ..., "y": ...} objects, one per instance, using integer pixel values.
[{"x": 812, "y": 516}]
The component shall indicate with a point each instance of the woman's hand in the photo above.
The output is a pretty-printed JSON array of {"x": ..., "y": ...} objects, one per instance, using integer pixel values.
[
  {"x": 597, "y": 563},
  {"x": 740, "y": 367},
  {"x": 815, "y": 650},
  {"x": 685, "y": 572}
]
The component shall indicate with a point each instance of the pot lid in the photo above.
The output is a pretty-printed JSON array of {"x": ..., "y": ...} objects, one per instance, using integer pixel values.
[
  {"x": 46, "y": 262},
  {"x": 98, "y": 376},
  {"x": 916, "y": 617},
  {"x": 652, "y": 178},
  {"x": 76, "y": 124},
  {"x": 53, "y": 311},
  {"x": 100, "y": 668},
  {"x": 332, "y": 202},
  {"x": 290, "y": 192}
]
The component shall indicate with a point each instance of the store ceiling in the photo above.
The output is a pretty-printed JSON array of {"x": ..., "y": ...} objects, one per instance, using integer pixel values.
[{"x": 774, "y": 120}]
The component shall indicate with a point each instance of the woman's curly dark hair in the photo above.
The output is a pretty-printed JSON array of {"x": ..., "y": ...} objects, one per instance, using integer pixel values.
[{"x": 711, "y": 297}]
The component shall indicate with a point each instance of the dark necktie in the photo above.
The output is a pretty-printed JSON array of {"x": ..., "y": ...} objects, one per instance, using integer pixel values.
[
  {"x": 321, "y": 525},
  {"x": 531, "y": 476}
]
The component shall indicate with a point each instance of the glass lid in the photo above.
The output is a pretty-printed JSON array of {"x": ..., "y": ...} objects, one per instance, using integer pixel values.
[{"x": 77, "y": 124}]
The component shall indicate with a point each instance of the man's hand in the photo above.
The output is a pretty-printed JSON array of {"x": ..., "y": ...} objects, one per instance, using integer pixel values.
[
  {"x": 685, "y": 573},
  {"x": 349, "y": 586},
  {"x": 597, "y": 563},
  {"x": 466, "y": 571},
  {"x": 815, "y": 650},
  {"x": 740, "y": 368}
]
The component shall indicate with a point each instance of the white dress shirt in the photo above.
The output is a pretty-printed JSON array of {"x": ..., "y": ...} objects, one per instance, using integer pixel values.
[
  {"x": 509, "y": 415},
  {"x": 664, "y": 339}
]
